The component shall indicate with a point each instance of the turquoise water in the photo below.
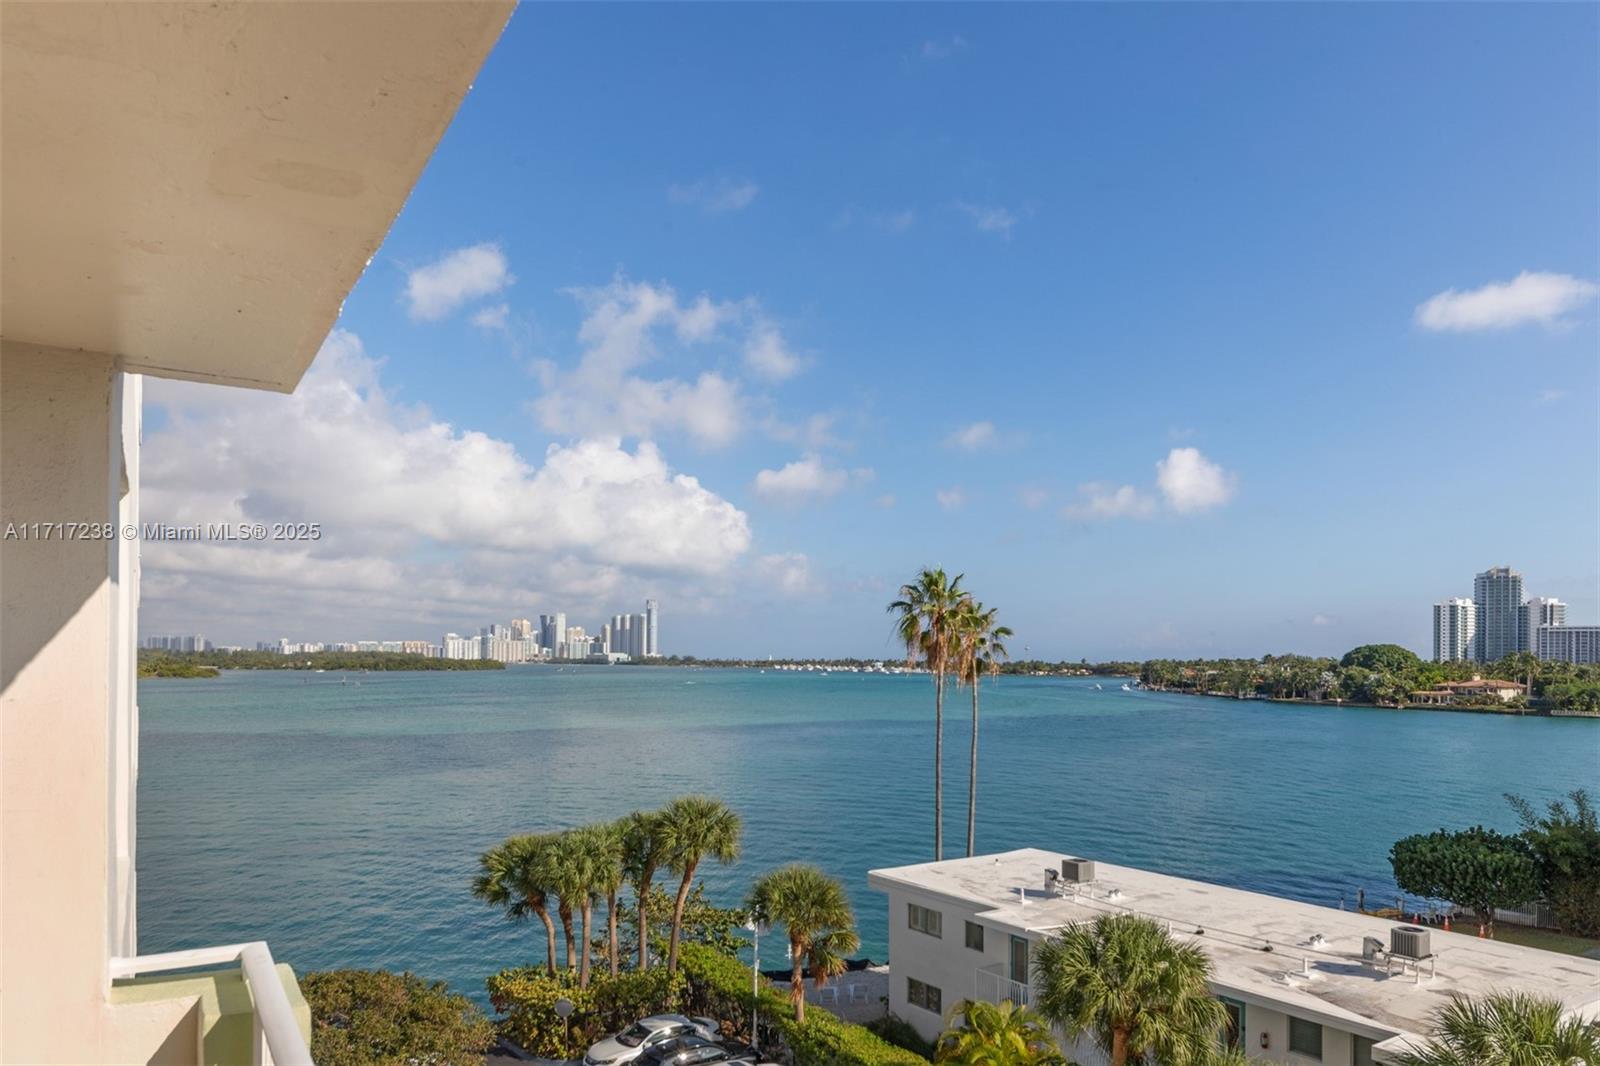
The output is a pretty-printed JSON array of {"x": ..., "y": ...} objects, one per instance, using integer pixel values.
[{"x": 342, "y": 822}]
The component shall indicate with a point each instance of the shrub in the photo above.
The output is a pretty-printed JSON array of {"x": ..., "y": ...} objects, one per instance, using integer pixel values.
[
  {"x": 720, "y": 986},
  {"x": 527, "y": 997},
  {"x": 375, "y": 1018},
  {"x": 901, "y": 1033}
]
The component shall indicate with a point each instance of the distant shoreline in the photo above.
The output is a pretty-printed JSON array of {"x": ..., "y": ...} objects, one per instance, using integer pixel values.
[{"x": 1506, "y": 712}]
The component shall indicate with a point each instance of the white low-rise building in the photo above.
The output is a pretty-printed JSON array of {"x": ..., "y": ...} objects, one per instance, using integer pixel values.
[{"x": 1302, "y": 983}]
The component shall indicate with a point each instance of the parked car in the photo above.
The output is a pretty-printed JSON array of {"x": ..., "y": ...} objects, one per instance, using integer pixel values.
[
  {"x": 646, "y": 1033},
  {"x": 694, "y": 1051}
]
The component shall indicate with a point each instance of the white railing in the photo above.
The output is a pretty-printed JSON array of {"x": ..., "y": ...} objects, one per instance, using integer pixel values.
[
  {"x": 275, "y": 1028},
  {"x": 995, "y": 986}
]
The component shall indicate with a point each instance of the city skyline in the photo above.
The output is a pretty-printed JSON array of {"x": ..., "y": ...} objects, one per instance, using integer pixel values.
[
  {"x": 1498, "y": 621},
  {"x": 969, "y": 323}
]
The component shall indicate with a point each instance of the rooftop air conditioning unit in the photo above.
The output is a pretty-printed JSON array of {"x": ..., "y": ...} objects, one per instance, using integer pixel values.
[
  {"x": 1080, "y": 871},
  {"x": 1409, "y": 941}
]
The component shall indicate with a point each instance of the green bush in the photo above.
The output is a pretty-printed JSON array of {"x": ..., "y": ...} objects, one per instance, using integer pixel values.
[
  {"x": 901, "y": 1033},
  {"x": 720, "y": 986},
  {"x": 527, "y": 997},
  {"x": 376, "y": 1018}
]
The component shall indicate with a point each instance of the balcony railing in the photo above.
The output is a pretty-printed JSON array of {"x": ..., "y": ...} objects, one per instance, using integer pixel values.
[
  {"x": 995, "y": 986},
  {"x": 277, "y": 1038}
]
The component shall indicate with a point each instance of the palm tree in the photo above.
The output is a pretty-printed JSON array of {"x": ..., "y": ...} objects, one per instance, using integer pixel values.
[
  {"x": 514, "y": 875},
  {"x": 925, "y": 624},
  {"x": 609, "y": 877},
  {"x": 692, "y": 829},
  {"x": 1138, "y": 992},
  {"x": 980, "y": 647},
  {"x": 644, "y": 852},
  {"x": 816, "y": 913},
  {"x": 1505, "y": 1029},
  {"x": 571, "y": 876},
  {"x": 997, "y": 1035}
]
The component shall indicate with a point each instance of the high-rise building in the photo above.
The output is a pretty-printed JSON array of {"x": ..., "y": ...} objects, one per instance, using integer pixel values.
[
  {"x": 637, "y": 636},
  {"x": 1497, "y": 594},
  {"x": 1568, "y": 644},
  {"x": 1455, "y": 625},
  {"x": 652, "y": 629},
  {"x": 1541, "y": 611}
]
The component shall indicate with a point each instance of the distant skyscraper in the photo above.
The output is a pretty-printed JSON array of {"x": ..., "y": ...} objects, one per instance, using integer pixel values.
[
  {"x": 1541, "y": 611},
  {"x": 1454, "y": 629},
  {"x": 560, "y": 624},
  {"x": 652, "y": 629},
  {"x": 1568, "y": 644},
  {"x": 637, "y": 636},
  {"x": 1497, "y": 594}
]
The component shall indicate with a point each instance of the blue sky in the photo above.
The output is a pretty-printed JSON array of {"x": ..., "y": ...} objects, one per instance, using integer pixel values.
[{"x": 899, "y": 285}]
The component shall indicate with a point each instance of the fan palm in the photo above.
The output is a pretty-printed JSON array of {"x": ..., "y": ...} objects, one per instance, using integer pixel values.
[
  {"x": 1505, "y": 1029},
  {"x": 1002, "y": 1034},
  {"x": 644, "y": 851},
  {"x": 1134, "y": 989},
  {"x": 572, "y": 873},
  {"x": 980, "y": 648},
  {"x": 694, "y": 828},
  {"x": 925, "y": 616},
  {"x": 515, "y": 875},
  {"x": 609, "y": 877},
  {"x": 816, "y": 914}
]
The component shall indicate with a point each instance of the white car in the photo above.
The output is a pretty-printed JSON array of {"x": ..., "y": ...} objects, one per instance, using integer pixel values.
[{"x": 629, "y": 1044}]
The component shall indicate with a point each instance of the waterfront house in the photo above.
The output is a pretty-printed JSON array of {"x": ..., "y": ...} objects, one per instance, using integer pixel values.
[
  {"x": 1303, "y": 984},
  {"x": 1478, "y": 690},
  {"x": 189, "y": 191}
]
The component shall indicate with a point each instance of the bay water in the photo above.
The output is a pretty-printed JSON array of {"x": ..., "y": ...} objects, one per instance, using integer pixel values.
[{"x": 340, "y": 816}]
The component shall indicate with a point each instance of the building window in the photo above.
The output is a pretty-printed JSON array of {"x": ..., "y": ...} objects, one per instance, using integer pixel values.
[
  {"x": 924, "y": 995},
  {"x": 1361, "y": 1054},
  {"x": 1019, "y": 960},
  {"x": 924, "y": 920},
  {"x": 1233, "y": 1028},
  {"x": 974, "y": 936},
  {"x": 1305, "y": 1038}
]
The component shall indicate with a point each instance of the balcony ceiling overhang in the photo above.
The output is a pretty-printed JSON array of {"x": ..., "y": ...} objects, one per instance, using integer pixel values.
[{"x": 193, "y": 188}]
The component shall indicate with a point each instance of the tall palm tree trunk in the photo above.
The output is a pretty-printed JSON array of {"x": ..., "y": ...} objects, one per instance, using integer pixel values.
[
  {"x": 583, "y": 950},
  {"x": 938, "y": 766},
  {"x": 565, "y": 910},
  {"x": 972, "y": 777},
  {"x": 611, "y": 928},
  {"x": 677, "y": 917},
  {"x": 1119, "y": 1047},
  {"x": 549, "y": 939},
  {"x": 643, "y": 891},
  {"x": 797, "y": 980}
]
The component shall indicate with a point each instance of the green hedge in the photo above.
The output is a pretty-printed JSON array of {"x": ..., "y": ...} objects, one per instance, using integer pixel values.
[
  {"x": 527, "y": 998},
  {"x": 720, "y": 986}
]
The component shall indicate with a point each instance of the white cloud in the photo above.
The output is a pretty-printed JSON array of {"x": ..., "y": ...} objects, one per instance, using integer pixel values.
[
  {"x": 988, "y": 218},
  {"x": 1552, "y": 395},
  {"x": 1539, "y": 297},
  {"x": 807, "y": 478},
  {"x": 1191, "y": 482},
  {"x": 886, "y": 501},
  {"x": 766, "y": 354},
  {"x": 1323, "y": 620},
  {"x": 950, "y": 498},
  {"x": 628, "y": 324},
  {"x": 492, "y": 318},
  {"x": 943, "y": 49},
  {"x": 716, "y": 195},
  {"x": 788, "y": 574},
  {"x": 420, "y": 519},
  {"x": 1101, "y": 501},
  {"x": 437, "y": 289},
  {"x": 974, "y": 437}
]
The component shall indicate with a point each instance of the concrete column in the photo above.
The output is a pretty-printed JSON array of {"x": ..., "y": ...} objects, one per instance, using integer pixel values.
[{"x": 68, "y": 735}]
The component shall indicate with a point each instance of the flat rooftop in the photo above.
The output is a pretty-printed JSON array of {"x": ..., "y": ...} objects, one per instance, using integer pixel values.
[{"x": 1331, "y": 982}]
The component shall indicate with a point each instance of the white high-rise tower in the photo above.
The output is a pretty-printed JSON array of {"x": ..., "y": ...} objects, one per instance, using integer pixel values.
[
  {"x": 1454, "y": 629},
  {"x": 652, "y": 629},
  {"x": 1497, "y": 594}
]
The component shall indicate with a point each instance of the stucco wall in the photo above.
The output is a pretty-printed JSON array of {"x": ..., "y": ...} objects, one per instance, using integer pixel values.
[{"x": 57, "y": 425}]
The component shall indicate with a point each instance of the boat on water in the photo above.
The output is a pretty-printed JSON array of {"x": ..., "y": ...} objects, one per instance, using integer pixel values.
[
  {"x": 1127, "y": 687},
  {"x": 1097, "y": 686}
]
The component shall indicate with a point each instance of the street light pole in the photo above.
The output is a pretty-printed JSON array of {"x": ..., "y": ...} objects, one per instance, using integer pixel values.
[{"x": 755, "y": 985}]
